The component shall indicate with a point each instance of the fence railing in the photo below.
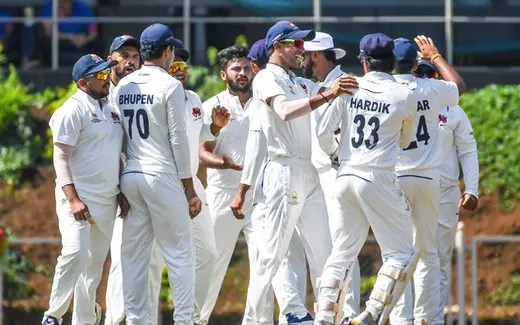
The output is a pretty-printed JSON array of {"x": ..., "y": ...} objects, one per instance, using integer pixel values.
[{"x": 317, "y": 19}]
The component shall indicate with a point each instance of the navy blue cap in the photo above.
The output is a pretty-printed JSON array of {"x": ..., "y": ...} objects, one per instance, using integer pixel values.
[
  {"x": 376, "y": 46},
  {"x": 258, "y": 53},
  {"x": 158, "y": 35},
  {"x": 404, "y": 50},
  {"x": 286, "y": 30},
  {"x": 182, "y": 53},
  {"x": 123, "y": 40},
  {"x": 90, "y": 64},
  {"x": 427, "y": 64}
]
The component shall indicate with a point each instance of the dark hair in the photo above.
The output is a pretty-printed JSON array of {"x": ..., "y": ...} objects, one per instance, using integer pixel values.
[
  {"x": 153, "y": 54},
  {"x": 231, "y": 53},
  {"x": 381, "y": 65},
  {"x": 404, "y": 67},
  {"x": 330, "y": 56}
]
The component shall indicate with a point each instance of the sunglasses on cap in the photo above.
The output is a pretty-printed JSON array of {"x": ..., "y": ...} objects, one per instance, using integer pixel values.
[
  {"x": 297, "y": 43},
  {"x": 178, "y": 65},
  {"x": 101, "y": 75}
]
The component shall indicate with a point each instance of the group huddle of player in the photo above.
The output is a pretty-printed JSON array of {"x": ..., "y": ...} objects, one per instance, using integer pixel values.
[{"x": 303, "y": 166}]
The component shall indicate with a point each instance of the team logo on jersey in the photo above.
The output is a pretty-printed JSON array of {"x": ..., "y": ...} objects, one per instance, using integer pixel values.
[
  {"x": 94, "y": 118},
  {"x": 293, "y": 199},
  {"x": 443, "y": 119},
  {"x": 196, "y": 112},
  {"x": 304, "y": 88},
  {"x": 115, "y": 117}
]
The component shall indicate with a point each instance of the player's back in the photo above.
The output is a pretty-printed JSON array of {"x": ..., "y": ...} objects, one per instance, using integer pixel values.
[
  {"x": 372, "y": 122},
  {"x": 142, "y": 98},
  {"x": 430, "y": 97}
]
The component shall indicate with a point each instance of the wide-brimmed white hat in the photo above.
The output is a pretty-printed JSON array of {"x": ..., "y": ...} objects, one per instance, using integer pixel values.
[{"x": 322, "y": 42}]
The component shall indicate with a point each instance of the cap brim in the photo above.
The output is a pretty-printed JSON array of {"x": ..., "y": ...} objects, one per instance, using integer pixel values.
[
  {"x": 176, "y": 42},
  {"x": 427, "y": 64},
  {"x": 182, "y": 53},
  {"x": 339, "y": 53},
  {"x": 103, "y": 66},
  {"x": 131, "y": 42},
  {"x": 306, "y": 35}
]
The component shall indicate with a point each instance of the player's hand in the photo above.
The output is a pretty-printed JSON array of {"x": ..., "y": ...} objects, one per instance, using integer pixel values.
[
  {"x": 344, "y": 85},
  {"x": 220, "y": 117},
  {"x": 194, "y": 203},
  {"x": 80, "y": 211},
  {"x": 427, "y": 47},
  {"x": 236, "y": 206},
  {"x": 228, "y": 163},
  {"x": 468, "y": 202},
  {"x": 123, "y": 205}
]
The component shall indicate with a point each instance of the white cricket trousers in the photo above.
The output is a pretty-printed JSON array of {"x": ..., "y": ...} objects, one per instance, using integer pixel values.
[
  {"x": 205, "y": 253},
  {"x": 353, "y": 281},
  {"x": 422, "y": 189},
  {"x": 226, "y": 229},
  {"x": 158, "y": 209},
  {"x": 365, "y": 199},
  {"x": 293, "y": 199},
  {"x": 448, "y": 220},
  {"x": 80, "y": 264}
]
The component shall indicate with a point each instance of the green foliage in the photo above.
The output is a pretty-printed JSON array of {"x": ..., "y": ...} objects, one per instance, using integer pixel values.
[
  {"x": 508, "y": 294},
  {"x": 367, "y": 284},
  {"x": 494, "y": 114}
]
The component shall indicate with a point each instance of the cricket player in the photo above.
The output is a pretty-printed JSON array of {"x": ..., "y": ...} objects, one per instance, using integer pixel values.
[
  {"x": 375, "y": 122},
  {"x": 320, "y": 62},
  {"x": 157, "y": 180},
  {"x": 418, "y": 169},
  {"x": 458, "y": 145},
  {"x": 292, "y": 196},
  {"x": 223, "y": 158},
  {"x": 124, "y": 50},
  {"x": 87, "y": 137}
]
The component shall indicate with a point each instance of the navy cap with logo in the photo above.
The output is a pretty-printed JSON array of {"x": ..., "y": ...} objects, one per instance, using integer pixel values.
[
  {"x": 286, "y": 30},
  {"x": 377, "y": 46},
  {"x": 124, "y": 40},
  {"x": 258, "y": 53},
  {"x": 404, "y": 50},
  {"x": 158, "y": 35},
  {"x": 182, "y": 53},
  {"x": 90, "y": 64}
]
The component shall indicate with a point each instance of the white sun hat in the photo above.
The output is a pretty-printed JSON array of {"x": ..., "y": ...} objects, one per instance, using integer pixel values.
[{"x": 322, "y": 42}]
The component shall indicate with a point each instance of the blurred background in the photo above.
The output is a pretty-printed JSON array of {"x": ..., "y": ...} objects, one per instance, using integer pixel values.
[{"x": 480, "y": 37}]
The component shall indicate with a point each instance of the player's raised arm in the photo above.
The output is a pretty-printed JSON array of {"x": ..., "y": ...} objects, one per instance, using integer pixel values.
[{"x": 429, "y": 52}]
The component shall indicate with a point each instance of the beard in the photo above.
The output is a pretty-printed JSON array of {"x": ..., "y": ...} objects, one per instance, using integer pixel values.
[
  {"x": 307, "y": 70},
  {"x": 121, "y": 73},
  {"x": 98, "y": 94},
  {"x": 235, "y": 87}
]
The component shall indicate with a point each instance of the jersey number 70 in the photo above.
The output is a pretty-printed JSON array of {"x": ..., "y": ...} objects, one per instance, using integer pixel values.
[{"x": 141, "y": 121}]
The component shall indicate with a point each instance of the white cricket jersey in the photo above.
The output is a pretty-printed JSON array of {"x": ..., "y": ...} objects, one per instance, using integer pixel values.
[
  {"x": 430, "y": 96},
  {"x": 284, "y": 138},
  {"x": 152, "y": 104},
  {"x": 458, "y": 144},
  {"x": 371, "y": 123},
  {"x": 194, "y": 123},
  {"x": 231, "y": 140},
  {"x": 93, "y": 128},
  {"x": 320, "y": 159}
]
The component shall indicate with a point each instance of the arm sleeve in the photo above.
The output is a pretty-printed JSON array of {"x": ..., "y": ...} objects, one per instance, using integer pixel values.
[
  {"x": 329, "y": 122},
  {"x": 177, "y": 130},
  {"x": 256, "y": 146},
  {"x": 66, "y": 124},
  {"x": 61, "y": 160},
  {"x": 407, "y": 126},
  {"x": 447, "y": 91},
  {"x": 467, "y": 153},
  {"x": 205, "y": 131}
]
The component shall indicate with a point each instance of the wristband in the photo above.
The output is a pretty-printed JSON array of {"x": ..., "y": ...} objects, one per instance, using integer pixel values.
[{"x": 434, "y": 57}]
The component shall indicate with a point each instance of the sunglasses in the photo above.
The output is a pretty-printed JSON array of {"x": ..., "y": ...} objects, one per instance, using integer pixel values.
[
  {"x": 178, "y": 65},
  {"x": 101, "y": 75},
  {"x": 297, "y": 43}
]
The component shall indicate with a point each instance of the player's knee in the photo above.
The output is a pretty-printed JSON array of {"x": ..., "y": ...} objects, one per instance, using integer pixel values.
[{"x": 74, "y": 256}]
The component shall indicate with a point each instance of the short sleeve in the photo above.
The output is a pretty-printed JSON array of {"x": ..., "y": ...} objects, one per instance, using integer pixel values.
[
  {"x": 66, "y": 124},
  {"x": 266, "y": 85},
  {"x": 447, "y": 91}
]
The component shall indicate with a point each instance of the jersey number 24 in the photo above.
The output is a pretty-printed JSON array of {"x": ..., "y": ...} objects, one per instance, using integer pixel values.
[
  {"x": 141, "y": 121},
  {"x": 421, "y": 135}
]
